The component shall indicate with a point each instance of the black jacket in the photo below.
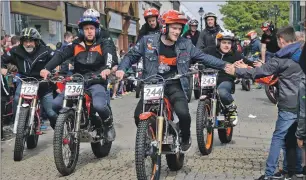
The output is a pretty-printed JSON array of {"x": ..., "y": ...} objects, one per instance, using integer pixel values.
[
  {"x": 147, "y": 30},
  {"x": 207, "y": 37},
  {"x": 230, "y": 57},
  {"x": 87, "y": 59},
  {"x": 30, "y": 65},
  {"x": 194, "y": 39}
]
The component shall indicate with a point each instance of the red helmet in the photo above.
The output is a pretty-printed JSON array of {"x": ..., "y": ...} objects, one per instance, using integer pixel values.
[
  {"x": 265, "y": 26},
  {"x": 252, "y": 34},
  {"x": 172, "y": 17},
  {"x": 151, "y": 12}
]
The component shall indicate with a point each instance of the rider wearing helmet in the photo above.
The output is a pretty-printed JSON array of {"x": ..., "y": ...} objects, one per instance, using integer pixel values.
[
  {"x": 104, "y": 32},
  {"x": 225, "y": 50},
  {"x": 269, "y": 45},
  {"x": 168, "y": 54},
  {"x": 193, "y": 33},
  {"x": 208, "y": 35},
  {"x": 151, "y": 26},
  {"x": 254, "y": 46},
  {"x": 30, "y": 57},
  {"x": 92, "y": 54}
]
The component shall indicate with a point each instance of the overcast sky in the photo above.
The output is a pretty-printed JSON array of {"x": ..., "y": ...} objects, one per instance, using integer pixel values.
[{"x": 194, "y": 7}]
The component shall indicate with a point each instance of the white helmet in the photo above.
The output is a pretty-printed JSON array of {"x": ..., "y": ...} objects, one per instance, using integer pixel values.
[
  {"x": 91, "y": 13},
  {"x": 225, "y": 35}
]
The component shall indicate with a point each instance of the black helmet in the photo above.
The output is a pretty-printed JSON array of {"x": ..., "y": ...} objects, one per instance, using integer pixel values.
[
  {"x": 30, "y": 33},
  {"x": 210, "y": 14}
]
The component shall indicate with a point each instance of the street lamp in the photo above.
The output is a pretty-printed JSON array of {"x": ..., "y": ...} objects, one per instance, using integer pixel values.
[
  {"x": 274, "y": 11},
  {"x": 201, "y": 13}
]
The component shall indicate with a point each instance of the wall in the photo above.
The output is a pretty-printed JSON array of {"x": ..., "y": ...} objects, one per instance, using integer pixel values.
[
  {"x": 44, "y": 30},
  {"x": 166, "y": 5},
  {"x": 142, "y": 6}
]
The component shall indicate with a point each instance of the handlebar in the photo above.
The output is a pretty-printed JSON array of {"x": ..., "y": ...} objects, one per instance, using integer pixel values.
[
  {"x": 75, "y": 77},
  {"x": 157, "y": 77},
  {"x": 23, "y": 79}
]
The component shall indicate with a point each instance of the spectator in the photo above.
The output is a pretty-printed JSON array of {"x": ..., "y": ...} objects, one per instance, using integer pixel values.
[
  {"x": 68, "y": 38},
  {"x": 300, "y": 36},
  {"x": 66, "y": 67}
]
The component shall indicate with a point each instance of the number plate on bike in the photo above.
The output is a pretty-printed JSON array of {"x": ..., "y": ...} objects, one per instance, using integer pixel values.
[
  {"x": 73, "y": 89},
  {"x": 208, "y": 80},
  {"x": 153, "y": 92},
  {"x": 29, "y": 89}
]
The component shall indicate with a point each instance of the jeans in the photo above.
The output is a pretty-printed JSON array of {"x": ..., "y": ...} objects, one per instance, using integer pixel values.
[
  {"x": 99, "y": 101},
  {"x": 291, "y": 150},
  {"x": 283, "y": 123},
  {"x": 179, "y": 103},
  {"x": 45, "y": 102},
  {"x": 224, "y": 91}
]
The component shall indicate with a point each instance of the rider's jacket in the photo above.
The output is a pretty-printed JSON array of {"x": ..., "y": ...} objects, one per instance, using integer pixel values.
[
  {"x": 207, "y": 37},
  {"x": 147, "y": 30},
  {"x": 255, "y": 46},
  {"x": 28, "y": 64},
  {"x": 230, "y": 57},
  {"x": 194, "y": 38},
  {"x": 288, "y": 72},
  {"x": 186, "y": 53},
  {"x": 87, "y": 59}
]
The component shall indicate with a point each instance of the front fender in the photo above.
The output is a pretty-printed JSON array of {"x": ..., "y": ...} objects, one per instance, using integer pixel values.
[
  {"x": 203, "y": 97},
  {"x": 146, "y": 115},
  {"x": 64, "y": 110}
]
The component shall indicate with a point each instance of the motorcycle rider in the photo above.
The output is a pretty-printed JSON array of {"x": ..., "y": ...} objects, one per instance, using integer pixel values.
[
  {"x": 269, "y": 44},
  {"x": 104, "y": 34},
  {"x": 168, "y": 54},
  {"x": 92, "y": 54},
  {"x": 151, "y": 26},
  {"x": 225, "y": 50},
  {"x": 192, "y": 33},
  {"x": 207, "y": 37},
  {"x": 254, "y": 46},
  {"x": 30, "y": 57}
]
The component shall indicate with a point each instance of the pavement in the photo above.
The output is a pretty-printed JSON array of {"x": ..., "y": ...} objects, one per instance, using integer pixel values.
[{"x": 243, "y": 158}]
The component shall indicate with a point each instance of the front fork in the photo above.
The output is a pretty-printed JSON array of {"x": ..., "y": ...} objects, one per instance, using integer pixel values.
[
  {"x": 159, "y": 135},
  {"x": 32, "y": 115},
  {"x": 78, "y": 115},
  {"x": 17, "y": 115}
]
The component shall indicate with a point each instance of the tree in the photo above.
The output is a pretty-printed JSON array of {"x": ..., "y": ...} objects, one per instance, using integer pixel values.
[{"x": 243, "y": 16}]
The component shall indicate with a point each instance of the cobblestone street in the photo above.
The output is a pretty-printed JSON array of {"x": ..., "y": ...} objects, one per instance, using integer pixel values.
[{"x": 243, "y": 158}]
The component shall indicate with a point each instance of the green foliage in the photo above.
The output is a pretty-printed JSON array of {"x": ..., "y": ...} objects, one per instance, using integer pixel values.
[{"x": 243, "y": 16}]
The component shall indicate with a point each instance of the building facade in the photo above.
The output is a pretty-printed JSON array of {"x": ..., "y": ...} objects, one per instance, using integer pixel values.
[
  {"x": 45, "y": 16},
  {"x": 74, "y": 11},
  {"x": 122, "y": 22},
  {"x": 297, "y": 15}
]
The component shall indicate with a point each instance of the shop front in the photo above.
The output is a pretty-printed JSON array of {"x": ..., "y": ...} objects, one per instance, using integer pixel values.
[
  {"x": 132, "y": 32},
  {"x": 115, "y": 28},
  {"x": 46, "y": 17}
]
